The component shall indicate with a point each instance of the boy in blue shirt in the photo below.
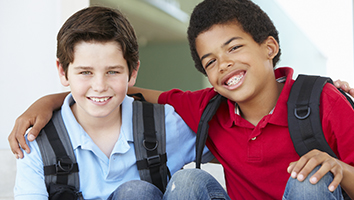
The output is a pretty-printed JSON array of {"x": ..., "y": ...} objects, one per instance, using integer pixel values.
[{"x": 97, "y": 56}]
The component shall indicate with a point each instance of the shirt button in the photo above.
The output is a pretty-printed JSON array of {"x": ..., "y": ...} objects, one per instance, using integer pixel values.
[{"x": 254, "y": 138}]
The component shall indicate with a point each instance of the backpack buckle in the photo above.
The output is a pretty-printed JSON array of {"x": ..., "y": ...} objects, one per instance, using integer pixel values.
[
  {"x": 64, "y": 166},
  {"x": 153, "y": 161},
  {"x": 302, "y": 112}
]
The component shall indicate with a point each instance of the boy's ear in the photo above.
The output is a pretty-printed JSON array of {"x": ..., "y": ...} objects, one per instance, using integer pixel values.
[
  {"x": 64, "y": 81},
  {"x": 134, "y": 75},
  {"x": 272, "y": 47}
]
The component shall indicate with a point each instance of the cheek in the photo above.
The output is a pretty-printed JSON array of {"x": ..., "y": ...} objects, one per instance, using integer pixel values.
[
  {"x": 213, "y": 80},
  {"x": 79, "y": 85},
  {"x": 119, "y": 85}
]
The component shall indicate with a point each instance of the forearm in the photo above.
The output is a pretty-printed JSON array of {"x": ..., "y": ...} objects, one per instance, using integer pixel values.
[
  {"x": 347, "y": 182},
  {"x": 50, "y": 102},
  {"x": 151, "y": 96}
]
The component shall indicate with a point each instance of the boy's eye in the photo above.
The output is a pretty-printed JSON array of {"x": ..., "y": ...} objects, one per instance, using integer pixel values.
[
  {"x": 85, "y": 73},
  {"x": 235, "y": 47},
  {"x": 209, "y": 63},
  {"x": 113, "y": 72}
]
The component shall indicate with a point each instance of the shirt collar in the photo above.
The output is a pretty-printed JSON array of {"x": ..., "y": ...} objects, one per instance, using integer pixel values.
[
  {"x": 127, "y": 118},
  {"x": 280, "y": 113}
]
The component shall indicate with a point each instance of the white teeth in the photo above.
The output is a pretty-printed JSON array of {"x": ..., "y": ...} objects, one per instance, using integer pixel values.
[
  {"x": 234, "y": 80},
  {"x": 99, "y": 99}
]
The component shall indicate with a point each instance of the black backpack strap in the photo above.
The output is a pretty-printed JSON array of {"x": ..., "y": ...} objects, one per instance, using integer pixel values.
[
  {"x": 203, "y": 127},
  {"x": 60, "y": 166},
  {"x": 150, "y": 143},
  {"x": 304, "y": 115}
]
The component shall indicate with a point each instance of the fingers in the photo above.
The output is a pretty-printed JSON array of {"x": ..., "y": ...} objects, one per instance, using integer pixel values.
[
  {"x": 307, "y": 163},
  {"x": 330, "y": 166},
  {"x": 14, "y": 145},
  {"x": 338, "y": 176},
  {"x": 304, "y": 166},
  {"x": 16, "y": 140},
  {"x": 38, "y": 124},
  {"x": 344, "y": 86},
  {"x": 291, "y": 168},
  {"x": 351, "y": 92},
  {"x": 37, "y": 127}
]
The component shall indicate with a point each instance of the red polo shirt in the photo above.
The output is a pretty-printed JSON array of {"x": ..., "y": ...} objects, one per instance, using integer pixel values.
[{"x": 255, "y": 158}]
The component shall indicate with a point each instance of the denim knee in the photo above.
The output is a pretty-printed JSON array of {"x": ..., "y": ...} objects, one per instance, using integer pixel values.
[
  {"x": 194, "y": 184},
  {"x": 305, "y": 190},
  {"x": 136, "y": 189}
]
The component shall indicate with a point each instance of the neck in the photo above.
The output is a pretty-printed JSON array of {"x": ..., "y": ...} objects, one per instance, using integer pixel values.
[
  {"x": 104, "y": 131},
  {"x": 96, "y": 124},
  {"x": 253, "y": 111}
]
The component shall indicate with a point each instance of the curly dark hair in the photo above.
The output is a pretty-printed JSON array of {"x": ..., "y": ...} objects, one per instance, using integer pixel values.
[
  {"x": 245, "y": 13},
  {"x": 99, "y": 24}
]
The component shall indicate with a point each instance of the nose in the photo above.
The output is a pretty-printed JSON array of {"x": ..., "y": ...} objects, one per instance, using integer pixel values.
[
  {"x": 225, "y": 64},
  {"x": 99, "y": 83}
]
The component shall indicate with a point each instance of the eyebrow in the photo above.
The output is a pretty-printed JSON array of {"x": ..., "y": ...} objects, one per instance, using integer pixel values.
[
  {"x": 88, "y": 68},
  {"x": 226, "y": 43},
  {"x": 230, "y": 40}
]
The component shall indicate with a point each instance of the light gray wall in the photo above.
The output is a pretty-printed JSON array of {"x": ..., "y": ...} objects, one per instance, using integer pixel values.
[
  {"x": 28, "y": 31},
  {"x": 298, "y": 51}
]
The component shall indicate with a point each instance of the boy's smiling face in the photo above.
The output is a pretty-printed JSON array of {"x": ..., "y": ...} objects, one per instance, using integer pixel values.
[
  {"x": 237, "y": 67},
  {"x": 98, "y": 78}
]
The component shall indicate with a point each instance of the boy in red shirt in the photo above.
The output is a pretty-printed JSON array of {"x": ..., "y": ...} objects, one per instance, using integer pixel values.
[{"x": 236, "y": 45}]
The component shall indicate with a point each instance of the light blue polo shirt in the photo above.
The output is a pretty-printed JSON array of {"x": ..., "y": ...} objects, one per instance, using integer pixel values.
[{"x": 100, "y": 176}]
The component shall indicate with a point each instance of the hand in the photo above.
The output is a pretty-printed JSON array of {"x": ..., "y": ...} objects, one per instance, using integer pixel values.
[
  {"x": 304, "y": 166},
  {"x": 344, "y": 86},
  {"x": 22, "y": 124},
  {"x": 37, "y": 115}
]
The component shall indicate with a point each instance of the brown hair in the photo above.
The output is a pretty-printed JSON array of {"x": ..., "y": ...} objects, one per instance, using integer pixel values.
[{"x": 98, "y": 24}]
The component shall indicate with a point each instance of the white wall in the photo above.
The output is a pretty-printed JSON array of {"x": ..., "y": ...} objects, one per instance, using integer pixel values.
[
  {"x": 298, "y": 51},
  {"x": 329, "y": 26},
  {"x": 28, "y": 31}
]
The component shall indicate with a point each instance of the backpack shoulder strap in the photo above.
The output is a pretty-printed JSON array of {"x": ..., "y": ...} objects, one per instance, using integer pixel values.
[
  {"x": 203, "y": 126},
  {"x": 304, "y": 115},
  {"x": 150, "y": 143},
  {"x": 59, "y": 161}
]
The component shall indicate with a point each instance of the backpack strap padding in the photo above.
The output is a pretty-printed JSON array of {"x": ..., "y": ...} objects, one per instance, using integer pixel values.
[
  {"x": 150, "y": 142},
  {"x": 55, "y": 134},
  {"x": 304, "y": 115},
  {"x": 203, "y": 127}
]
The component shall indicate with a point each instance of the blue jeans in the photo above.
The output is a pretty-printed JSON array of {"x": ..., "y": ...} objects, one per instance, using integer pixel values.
[
  {"x": 305, "y": 190},
  {"x": 184, "y": 184},
  {"x": 136, "y": 189}
]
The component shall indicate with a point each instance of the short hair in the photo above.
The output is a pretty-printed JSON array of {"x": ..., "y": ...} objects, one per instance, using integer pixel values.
[
  {"x": 252, "y": 19},
  {"x": 99, "y": 24}
]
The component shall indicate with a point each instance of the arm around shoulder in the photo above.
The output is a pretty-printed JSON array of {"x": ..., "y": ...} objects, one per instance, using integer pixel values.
[
  {"x": 36, "y": 116},
  {"x": 150, "y": 95}
]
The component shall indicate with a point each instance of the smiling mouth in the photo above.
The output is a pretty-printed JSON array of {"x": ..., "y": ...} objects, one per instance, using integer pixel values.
[
  {"x": 97, "y": 99},
  {"x": 234, "y": 79}
]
